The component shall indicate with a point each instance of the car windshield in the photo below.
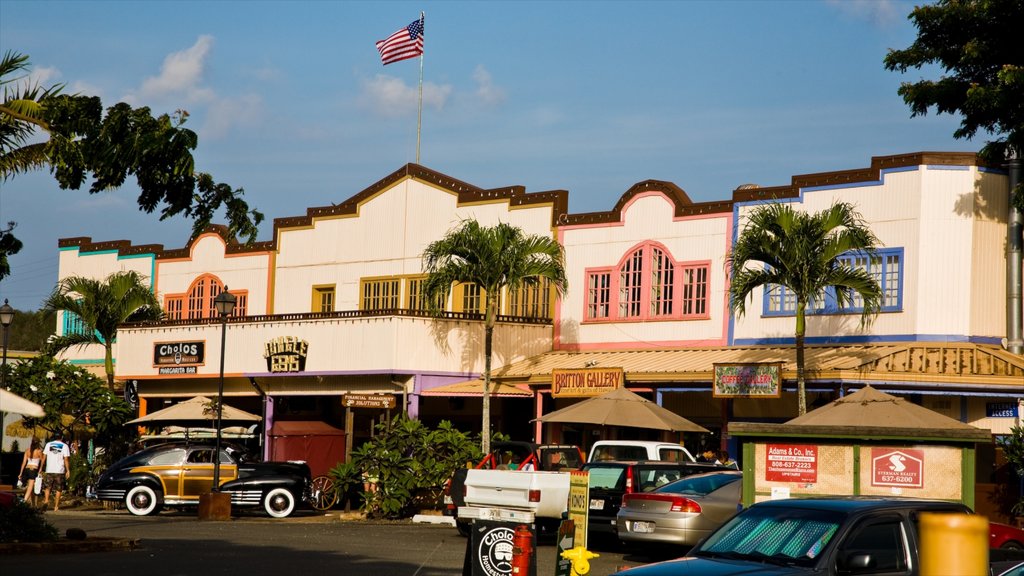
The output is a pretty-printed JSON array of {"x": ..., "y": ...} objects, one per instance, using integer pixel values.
[
  {"x": 773, "y": 535},
  {"x": 607, "y": 477},
  {"x": 699, "y": 485}
]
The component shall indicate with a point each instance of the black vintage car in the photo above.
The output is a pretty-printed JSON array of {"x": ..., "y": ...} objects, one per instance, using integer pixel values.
[{"x": 176, "y": 473}]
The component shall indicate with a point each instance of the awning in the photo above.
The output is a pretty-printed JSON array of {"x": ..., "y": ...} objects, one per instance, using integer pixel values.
[
  {"x": 475, "y": 387},
  {"x": 956, "y": 365}
]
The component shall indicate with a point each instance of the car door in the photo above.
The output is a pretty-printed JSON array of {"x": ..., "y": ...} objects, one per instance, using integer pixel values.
[
  {"x": 877, "y": 546},
  {"x": 197, "y": 472}
]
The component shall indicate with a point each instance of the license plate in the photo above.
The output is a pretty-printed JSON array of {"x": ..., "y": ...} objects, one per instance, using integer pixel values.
[
  {"x": 448, "y": 500},
  {"x": 643, "y": 527},
  {"x": 596, "y": 504}
]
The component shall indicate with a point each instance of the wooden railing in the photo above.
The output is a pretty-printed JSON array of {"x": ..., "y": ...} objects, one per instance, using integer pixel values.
[{"x": 301, "y": 316}]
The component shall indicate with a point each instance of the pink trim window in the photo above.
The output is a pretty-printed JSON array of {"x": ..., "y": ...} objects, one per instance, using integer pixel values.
[
  {"x": 197, "y": 303},
  {"x": 648, "y": 284}
]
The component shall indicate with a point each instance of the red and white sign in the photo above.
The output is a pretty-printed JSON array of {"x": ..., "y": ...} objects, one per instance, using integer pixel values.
[
  {"x": 900, "y": 467},
  {"x": 792, "y": 463}
]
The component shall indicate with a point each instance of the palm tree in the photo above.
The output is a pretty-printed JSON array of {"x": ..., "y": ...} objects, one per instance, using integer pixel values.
[
  {"x": 801, "y": 253},
  {"x": 493, "y": 258},
  {"x": 21, "y": 114},
  {"x": 101, "y": 306}
]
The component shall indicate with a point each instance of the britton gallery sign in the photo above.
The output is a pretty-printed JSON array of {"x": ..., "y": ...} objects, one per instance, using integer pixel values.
[
  {"x": 178, "y": 357},
  {"x": 286, "y": 354},
  {"x": 748, "y": 380},
  {"x": 585, "y": 381}
]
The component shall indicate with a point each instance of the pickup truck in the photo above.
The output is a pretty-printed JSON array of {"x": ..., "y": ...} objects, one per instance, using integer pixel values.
[
  {"x": 515, "y": 496},
  {"x": 638, "y": 450},
  {"x": 829, "y": 536}
]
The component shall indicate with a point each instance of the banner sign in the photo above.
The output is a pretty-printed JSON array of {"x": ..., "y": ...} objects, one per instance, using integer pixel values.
[
  {"x": 585, "y": 381},
  {"x": 179, "y": 357},
  {"x": 382, "y": 401},
  {"x": 286, "y": 354},
  {"x": 748, "y": 380},
  {"x": 579, "y": 504},
  {"x": 791, "y": 463},
  {"x": 898, "y": 467},
  {"x": 1001, "y": 410}
]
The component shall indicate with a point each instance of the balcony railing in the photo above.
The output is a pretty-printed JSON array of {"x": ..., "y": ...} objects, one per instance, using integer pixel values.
[{"x": 299, "y": 316}]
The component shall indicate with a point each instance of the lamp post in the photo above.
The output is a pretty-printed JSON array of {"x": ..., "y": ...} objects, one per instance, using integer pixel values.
[
  {"x": 224, "y": 303},
  {"x": 6, "y": 317}
]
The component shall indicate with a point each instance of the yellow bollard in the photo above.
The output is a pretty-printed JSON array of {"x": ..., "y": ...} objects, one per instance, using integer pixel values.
[
  {"x": 580, "y": 558},
  {"x": 954, "y": 544}
]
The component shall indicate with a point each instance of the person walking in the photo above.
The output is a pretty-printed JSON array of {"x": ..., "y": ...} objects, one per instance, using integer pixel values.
[
  {"x": 29, "y": 473},
  {"x": 56, "y": 470}
]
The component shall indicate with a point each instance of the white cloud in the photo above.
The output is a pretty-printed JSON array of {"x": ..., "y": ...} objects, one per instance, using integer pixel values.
[
  {"x": 224, "y": 113},
  {"x": 486, "y": 91},
  {"x": 181, "y": 75},
  {"x": 877, "y": 12},
  {"x": 392, "y": 97}
]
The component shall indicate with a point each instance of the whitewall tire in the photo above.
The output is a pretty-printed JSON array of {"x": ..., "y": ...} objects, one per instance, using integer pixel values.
[
  {"x": 142, "y": 501},
  {"x": 279, "y": 503}
]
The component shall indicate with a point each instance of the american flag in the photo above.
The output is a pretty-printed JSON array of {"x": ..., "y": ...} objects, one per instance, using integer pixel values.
[{"x": 402, "y": 45}]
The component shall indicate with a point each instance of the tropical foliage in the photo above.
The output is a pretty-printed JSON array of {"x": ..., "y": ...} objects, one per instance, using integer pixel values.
[
  {"x": 408, "y": 464},
  {"x": 31, "y": 329},
  {"x": 494, "y": 258},
  {"x": 780, "y": 246},
  {"x": 101, "y": 306},
  {"x": 976, "y": 45}
]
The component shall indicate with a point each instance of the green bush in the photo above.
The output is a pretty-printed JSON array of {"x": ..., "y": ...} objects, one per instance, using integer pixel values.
[
  {"x": 23, "y": 523},
  {"x": 410, "y": 463}
]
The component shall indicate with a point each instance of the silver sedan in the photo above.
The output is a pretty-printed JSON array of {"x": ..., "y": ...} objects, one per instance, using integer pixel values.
[{"x": 682, "y": 512}]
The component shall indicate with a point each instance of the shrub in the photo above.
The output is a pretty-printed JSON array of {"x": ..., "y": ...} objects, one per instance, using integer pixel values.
[{"x": 23, "y": 523}]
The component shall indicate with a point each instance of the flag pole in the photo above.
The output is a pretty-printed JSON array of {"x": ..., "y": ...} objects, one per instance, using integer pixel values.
[{"x": 419, "y": 113}]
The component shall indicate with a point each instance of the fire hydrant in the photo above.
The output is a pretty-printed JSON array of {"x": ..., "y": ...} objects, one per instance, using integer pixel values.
[
  {"x": 522, "y": 550},
  {"x": 580, "y": 558}
]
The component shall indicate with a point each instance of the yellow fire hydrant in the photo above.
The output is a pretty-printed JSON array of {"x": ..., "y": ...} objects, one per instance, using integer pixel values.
[{"x": 580, "y": 558}]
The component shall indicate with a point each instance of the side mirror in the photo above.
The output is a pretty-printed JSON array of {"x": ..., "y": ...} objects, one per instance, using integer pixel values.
[{"x": 858, "y": 561}]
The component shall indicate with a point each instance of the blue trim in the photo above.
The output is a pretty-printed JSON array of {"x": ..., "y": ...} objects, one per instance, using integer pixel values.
[
  {"x": 87, "y": 362},
  {"x": 999, "y": 171},
  {"x": 869, "y": 339},
  {"x": 67, "y": 248},
  {"x": 942, "y": 167}
]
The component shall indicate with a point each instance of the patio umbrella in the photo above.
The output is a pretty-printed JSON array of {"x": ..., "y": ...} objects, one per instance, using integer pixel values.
[
  {"x": 872, "y": 407},
  {"x": 620, "y": 407},
  {"x": 14, "y": 404},
  {"x": 195, "y": 410}
]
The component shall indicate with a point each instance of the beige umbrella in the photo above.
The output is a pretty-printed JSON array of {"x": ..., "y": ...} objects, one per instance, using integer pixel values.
[
  {"x": 620, "y": 407},
  {"x": 14, "y": 404},
  {"x": 871, "y": 407},
  {"x": 194, "y": 410}
]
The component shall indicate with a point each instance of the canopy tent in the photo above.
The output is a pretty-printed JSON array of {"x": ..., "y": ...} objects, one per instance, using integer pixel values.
[
  {"x": 620, "y": 407},
  {"x": 14, "y": 404},
  {"x": 319, "y": 444},
  {"x": 195, "y": 411}
]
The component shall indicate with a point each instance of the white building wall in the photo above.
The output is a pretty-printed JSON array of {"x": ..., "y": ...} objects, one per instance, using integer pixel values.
[{"x": 246, "y": 271}]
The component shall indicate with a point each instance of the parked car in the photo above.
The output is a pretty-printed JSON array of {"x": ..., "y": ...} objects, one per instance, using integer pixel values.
[
  {"x": 821, "y": 536},
  {"x": 621, "y": 450},
  {"x": 681, "y": 512},
  {"x": 176, "y": 473},
  {"x": 1005, "y": 537},
  {"x": 610, "y": 481}
]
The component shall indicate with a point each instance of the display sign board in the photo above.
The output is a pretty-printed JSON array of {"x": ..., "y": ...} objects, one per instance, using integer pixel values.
[
  {"x": 585, "y": 381},
  {"x": 791, "y": 463},
  {"x": 566, "y": 541},
  {"x": 491, "y": 549},
  {"x": 179, "y": 357},
  {"x": 579, "y": 503},
  {"x": 286, "y": 354},
  {"x": 898, "y": 467},
  {"x": 1001, "y": 409},
  {"x": 380, "y": 401},
  {"x": 747, "y": 380}
]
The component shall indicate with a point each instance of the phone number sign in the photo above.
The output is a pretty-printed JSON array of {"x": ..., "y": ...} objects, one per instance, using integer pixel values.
[
  {"x": 791, "y": 463},
  {"x": 897, "y": 467}
]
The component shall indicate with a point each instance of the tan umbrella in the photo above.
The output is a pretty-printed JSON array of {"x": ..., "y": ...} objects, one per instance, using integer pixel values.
[
  {"x": 871, "y": 407},
  {"x": 14, "y": 404},
  {"x": 195, "y": 410},
  {"x": 620, "y": 407}
]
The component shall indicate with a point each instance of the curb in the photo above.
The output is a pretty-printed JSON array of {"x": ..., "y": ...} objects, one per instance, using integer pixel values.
[{"x": 91, "y": 544}]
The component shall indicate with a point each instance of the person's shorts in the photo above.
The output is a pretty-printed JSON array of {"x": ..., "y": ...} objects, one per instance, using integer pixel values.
[
  {"x": 29, "y": 474},
  {"x": 53, "y": 482}
]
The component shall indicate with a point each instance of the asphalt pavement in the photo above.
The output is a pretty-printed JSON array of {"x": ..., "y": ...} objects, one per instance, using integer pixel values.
[{"x": 178, "y": 544}]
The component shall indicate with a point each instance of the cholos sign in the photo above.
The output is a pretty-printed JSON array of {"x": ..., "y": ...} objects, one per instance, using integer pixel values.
[
  {"x": 178, "y": 357},
  {"x": 585, "y": 382},
  {"x": 748, "y": 380},
  {"x": 286, "y": 354},
  {"x": 898, "y": 467}
]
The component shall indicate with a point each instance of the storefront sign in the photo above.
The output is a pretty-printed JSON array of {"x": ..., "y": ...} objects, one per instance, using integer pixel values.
[
  {"x": 173, "y": 357},
  {"x": 1001, "y": 409},
  {"x": 585, "y": 381},
  {"x": 899, "y": 467},
  {"x": 491, "y": 544},
  {"x": 381, "y": 401},
  {"x": 748, "y": 380},
  {"x": 286, "y": 354},
  {"x": 791, "y": 463}
]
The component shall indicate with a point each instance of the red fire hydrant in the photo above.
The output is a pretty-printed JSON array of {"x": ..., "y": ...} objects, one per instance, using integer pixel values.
[{"x": 522, "y": 550}]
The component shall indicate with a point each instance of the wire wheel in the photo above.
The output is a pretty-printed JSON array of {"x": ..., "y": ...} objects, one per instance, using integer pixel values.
[{"x": 325, "y": 495}]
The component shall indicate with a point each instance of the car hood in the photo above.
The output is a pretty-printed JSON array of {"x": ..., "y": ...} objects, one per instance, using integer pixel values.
[{"x": 713, "y": 567}]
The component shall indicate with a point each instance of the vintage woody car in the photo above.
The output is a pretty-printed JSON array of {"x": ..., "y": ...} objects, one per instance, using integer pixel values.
[{"x": 174, "y": 474}]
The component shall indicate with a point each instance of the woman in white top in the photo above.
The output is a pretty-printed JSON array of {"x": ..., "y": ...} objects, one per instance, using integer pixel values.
[{"x": 29, "y": 473}]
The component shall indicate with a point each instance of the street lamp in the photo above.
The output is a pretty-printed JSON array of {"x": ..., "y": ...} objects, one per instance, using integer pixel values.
[
  {"x": 224, "y": 303},
  {"x": 6, "y": 317}
]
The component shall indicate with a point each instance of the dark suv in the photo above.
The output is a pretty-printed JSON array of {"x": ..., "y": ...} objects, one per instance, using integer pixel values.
[{"x": 610, "y": 481}]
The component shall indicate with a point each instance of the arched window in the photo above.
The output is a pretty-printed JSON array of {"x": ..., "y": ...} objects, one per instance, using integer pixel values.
[{"x": 197, "y": 302}]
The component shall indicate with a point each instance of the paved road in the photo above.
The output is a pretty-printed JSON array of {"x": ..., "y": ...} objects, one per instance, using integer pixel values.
[{"x": 177, "y": 544}]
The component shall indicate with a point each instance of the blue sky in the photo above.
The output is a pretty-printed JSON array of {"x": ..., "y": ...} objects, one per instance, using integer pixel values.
[{"x": 292, "y": 104}]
